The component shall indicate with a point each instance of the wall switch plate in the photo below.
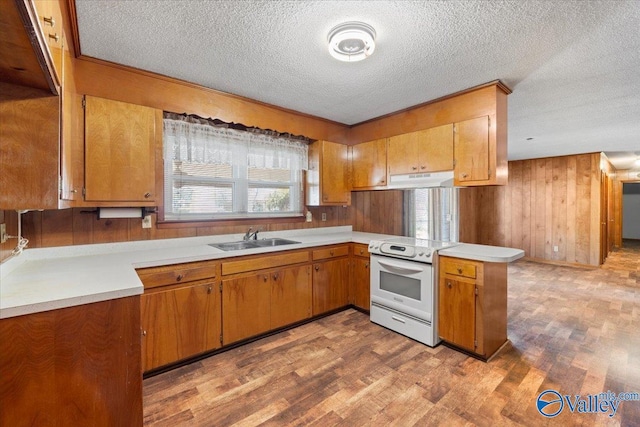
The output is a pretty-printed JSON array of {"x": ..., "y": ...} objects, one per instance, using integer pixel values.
[
  {"x": 146, "y": 221},
  {"x": 3, "y": 233},
  {"x": 324, "y": 216},
  {"x": 555, "y": 249}
]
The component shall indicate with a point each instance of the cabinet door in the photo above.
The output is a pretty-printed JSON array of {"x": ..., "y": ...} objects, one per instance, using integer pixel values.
[
  {"x": 369, "y": 164},
  {"x": 330, "y": 289},
  {"x": 402, "y": 153},
  {"x": 290, "y": 295},
  {"x": 457, "y": 312},
  {"x": 435, "y": 149},
  {"x": 119, "y": 151},
  {"x": 50, "y": 19},
  {"x": 471, "y": 150},
  {"x": 335, "y": 186},
  {"x": 179, "y": 323},
  {"x": 360, "y": 280},
  {"x": 246, "y": 307},
  {"x": 29, "y": 148}
]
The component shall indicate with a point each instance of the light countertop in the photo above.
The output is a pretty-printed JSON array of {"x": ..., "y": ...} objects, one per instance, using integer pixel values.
[
  {"x": 51, "y": 278},
  {"x": 482, "y": 253}
]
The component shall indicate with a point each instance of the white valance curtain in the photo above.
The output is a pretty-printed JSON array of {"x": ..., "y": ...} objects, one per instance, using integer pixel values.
[{"x": 214, "y": 171}]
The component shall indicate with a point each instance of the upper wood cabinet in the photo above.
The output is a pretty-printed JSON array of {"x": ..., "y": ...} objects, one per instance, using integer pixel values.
[
  {"x": 120, "y": 145},
  {"x": 28, "y": 57},
  {"x": 51, "y": 25},
  {"x": 479, "y": 158},
  {"x": 29, "y": 151},
  {"x": 369, "y": 165},
  {"x": 328, "y": 175},
  {"x": 429, "y": 150}
]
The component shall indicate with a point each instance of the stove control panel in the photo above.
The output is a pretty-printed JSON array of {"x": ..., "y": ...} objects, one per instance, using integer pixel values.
[{"x": 401, "y": 250}]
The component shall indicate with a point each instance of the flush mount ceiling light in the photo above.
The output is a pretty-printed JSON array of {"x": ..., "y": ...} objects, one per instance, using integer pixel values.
[{"x": 352, "y": 41}]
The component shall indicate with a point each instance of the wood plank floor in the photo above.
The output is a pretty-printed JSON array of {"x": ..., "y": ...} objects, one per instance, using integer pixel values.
[{"x": 573, "y": 330}]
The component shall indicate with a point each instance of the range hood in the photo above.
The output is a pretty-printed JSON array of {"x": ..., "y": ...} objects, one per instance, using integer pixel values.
[{"x": 421, "y": 180}]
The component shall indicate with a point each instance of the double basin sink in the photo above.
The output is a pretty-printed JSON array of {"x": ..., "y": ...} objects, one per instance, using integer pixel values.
[{"x": 252, "y": 244}]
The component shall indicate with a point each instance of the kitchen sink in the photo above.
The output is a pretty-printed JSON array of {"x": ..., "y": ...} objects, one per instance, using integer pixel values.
[
  {"x": 252, "y": 244},
  {"x": 275, "y": 241}
]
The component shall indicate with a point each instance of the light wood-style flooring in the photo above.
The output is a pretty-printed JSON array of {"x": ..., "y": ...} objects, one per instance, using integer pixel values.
[{"x": 574, "y": 330}]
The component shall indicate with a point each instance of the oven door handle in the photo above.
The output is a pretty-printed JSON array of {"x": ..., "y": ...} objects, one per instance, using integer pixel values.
[{"x": 400, "y": 268}]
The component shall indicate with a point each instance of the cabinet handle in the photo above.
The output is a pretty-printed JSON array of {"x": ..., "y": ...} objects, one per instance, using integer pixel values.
[
  {"x": 331, "y": 253},
  {"x": 382, "y": 181},
  {"x": 317, "y": 267},
  {"x": 361, "y": 251},
  {"x": 423, "y": 167},
  {"x": 464, "y": 175},
  {"x": 49, "y": 20},
  {"x": 54, "y": 37},
  {"x": 144, "y": 333},
  {"x": 73, "y": 191},
  {"x": 366, "y": 265},
  {"x": 414, "y": 167},
  {"x": 275, "y": 276},
  {"x": 459, "y": 271},
  {"x": 449, "y": 284},
  {"x": 209, "y": 290},
  {"x": 179, "y": 277},
  {"x": 265, "y": 278},
  {"x": 147, "y": 195}
]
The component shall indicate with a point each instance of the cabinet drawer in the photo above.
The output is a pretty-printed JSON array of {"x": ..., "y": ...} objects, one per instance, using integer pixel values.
[
  {"x": 178, "y": 273},
  {"x": 331, "y": 252},
  {"x": 458, "y": 267},
  {"x": 251, "y": 264},
  {"x": 361, "y": 250}
]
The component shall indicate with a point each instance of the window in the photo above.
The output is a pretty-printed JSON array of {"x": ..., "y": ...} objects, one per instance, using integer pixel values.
[
  {"x": 214, "y": 172},
  {"x": 432, "y": 213}
]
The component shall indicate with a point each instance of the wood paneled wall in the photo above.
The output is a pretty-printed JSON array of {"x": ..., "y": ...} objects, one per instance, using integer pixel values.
[
  {"x": 371, "y": 211},
  {"x": 548, "y": 202},
  {"x": 378, "y": 211}
]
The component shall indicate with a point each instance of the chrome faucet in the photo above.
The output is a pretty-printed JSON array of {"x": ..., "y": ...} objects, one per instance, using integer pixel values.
[{"x": 248, "y": 235}]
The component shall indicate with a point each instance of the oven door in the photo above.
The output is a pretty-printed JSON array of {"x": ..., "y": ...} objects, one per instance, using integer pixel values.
[{"x": 405, "y": 286}]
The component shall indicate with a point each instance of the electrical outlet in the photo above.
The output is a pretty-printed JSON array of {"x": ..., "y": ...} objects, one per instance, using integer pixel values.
[
  {"x": 324, "y": 216},
  {"x": 146, "y": 221},
  {"x": 309, "y": 216},
  {"x": 555, "y": 249},
  {"x": 3, "y": 233}
]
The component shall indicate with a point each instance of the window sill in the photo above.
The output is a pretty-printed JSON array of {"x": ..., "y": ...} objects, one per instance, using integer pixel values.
[{"x": 227, "y": 222}]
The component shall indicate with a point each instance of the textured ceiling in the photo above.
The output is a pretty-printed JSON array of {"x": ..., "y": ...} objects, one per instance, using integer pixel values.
[{"x": 574, "y": 66}]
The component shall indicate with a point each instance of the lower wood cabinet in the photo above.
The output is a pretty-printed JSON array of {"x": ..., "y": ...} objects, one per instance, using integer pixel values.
[
  {"x": 330, "y": 278},
  {"x": 75, "y": 366},
  {"x": 180, "y": 312},
  {"x": 472, "y": 304},
  {"x": 259, "y": 302},
  {"x": 179, "y": 322},
  {"x": 246, "y": 307},
  {"x": 359, "y": 286},
  {"x": 290, "y": 296}
]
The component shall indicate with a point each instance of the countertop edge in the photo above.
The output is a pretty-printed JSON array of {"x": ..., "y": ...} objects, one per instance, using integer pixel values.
[{"x": 483, "y": 253}]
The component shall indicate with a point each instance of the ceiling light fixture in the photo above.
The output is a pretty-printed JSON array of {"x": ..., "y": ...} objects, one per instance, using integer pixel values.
[{"x": 352, "y": 41}]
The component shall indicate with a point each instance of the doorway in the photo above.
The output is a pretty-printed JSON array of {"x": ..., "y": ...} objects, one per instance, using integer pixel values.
[{"x": 630, "y": 213}]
